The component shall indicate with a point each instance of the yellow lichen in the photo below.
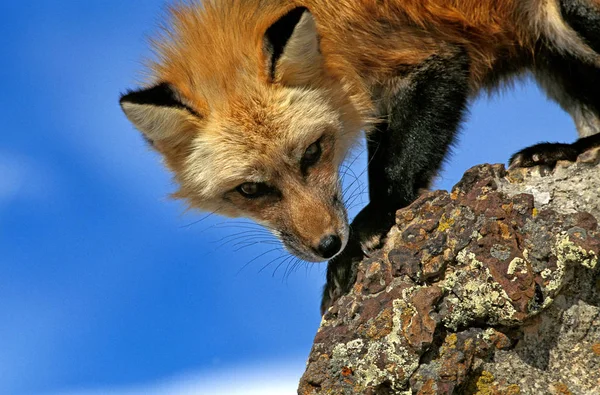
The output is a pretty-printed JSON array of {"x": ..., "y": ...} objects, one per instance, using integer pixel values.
[
  {"x": 363, "y": 358},
  {"x": 445, "y": 223},
  {"x": 504, "y": 230},
  {"x": 451, "y": 340},
  {"x": 479, "y": 297},
  {"x": 485, "y": 383},
  {"x": 568, "y": 252},
  {"x": 561, "y": 389},
  {"x": 381, "y": 326},
  {"x": 517, "y": 264}
]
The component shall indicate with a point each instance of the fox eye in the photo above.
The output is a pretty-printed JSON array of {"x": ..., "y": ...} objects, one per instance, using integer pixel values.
[
  {"x": 311, "y": 155},
  {"x": 253, "y": 190}
]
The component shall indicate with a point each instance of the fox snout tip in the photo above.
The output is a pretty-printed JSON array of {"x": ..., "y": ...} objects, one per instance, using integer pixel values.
[{"x": 329, "y": 246}]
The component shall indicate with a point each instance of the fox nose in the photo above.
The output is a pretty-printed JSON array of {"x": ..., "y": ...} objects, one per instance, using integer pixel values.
[{"x": 329, "y": 246}]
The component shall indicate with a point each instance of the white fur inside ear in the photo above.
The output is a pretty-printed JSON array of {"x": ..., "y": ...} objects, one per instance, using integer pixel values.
[
  {"x": 301, "y": 58},
  {"x": 156, "y": 122}
]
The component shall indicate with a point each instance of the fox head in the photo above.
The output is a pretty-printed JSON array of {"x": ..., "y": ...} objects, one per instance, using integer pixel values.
[{"x": 247, "y": 114}]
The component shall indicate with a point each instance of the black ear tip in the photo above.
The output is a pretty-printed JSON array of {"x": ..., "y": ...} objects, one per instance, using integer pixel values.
[
  {"x": 160, "y": 95},
  {"x": 125, "y": 97},
  {"x": 277, "y": 36},
  {"x": 139, "y": 96},
  {"x": 279, "y": 33}
]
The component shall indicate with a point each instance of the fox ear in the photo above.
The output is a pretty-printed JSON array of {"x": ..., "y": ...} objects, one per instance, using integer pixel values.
[
  {"x": 158, "y": 112},
  {"x": 291, "y": 47}
]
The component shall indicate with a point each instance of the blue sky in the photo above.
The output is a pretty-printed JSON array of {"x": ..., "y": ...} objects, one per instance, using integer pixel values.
[{"x": 109, "y": 287}]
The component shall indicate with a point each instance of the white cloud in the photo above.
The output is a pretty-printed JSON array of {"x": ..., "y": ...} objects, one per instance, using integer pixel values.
[
  {"x": 10, "y": 182},
  {"x": 258, "y": 379},
  {"x": 21, "y": 177}
]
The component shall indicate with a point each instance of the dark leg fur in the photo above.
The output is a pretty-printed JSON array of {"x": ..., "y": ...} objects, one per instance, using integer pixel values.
[
  {"x": 424, "y": 111},
  {"x": 584, "y": 18}
]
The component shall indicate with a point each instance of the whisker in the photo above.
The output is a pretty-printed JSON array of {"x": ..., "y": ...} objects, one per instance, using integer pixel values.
[
  {"x": 281, "y": 263},
  {"x": 238, "y": 249},
  {"x": 201, "y": 219},
  {"x": 243, "y": 224},
  {"x": 283, "y": 257},
  {"x": 358, "y": 190},
  {"x": 252, "y": 232},
  {"x": 288, "y": 270},
  {"x": 356, "y": 196},
  {"x": 366, "y": 167},
  {"x": 293, "y": 267},
  {"x": 239, "y": 239},
  {"x": 258, "y": 257},
  {"x": 255, "y": 240}
]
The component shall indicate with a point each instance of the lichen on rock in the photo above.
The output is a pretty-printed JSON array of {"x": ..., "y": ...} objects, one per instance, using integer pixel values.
[{"x": 492, "y": 288}]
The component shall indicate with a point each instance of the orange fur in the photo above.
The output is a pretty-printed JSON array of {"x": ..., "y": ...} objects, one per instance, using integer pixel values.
[
  {"x": 221, "y": 40},
  {"x": 211, "y": 51},
  {"x": 248, "y": 124}
]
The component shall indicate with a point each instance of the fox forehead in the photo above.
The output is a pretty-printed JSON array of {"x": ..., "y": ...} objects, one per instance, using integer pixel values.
[{"x": 251, "y": 139}]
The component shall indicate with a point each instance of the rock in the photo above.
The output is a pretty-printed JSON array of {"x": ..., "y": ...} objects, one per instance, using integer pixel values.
[{"x": 493, "y": 288}]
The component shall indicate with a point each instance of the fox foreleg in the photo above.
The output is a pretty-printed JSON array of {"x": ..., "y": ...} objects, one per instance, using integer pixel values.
[{"x": 423, "y": 110}]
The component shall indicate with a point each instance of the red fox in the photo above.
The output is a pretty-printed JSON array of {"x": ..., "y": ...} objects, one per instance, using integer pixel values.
[{"x": 254, "y": 104}]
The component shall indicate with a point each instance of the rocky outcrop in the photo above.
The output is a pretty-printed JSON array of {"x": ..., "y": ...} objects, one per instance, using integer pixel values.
[{"x": 493, "y": 288}]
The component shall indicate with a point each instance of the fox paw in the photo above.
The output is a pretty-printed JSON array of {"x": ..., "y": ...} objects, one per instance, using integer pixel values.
[
  {"x": 371, "y": 242},
  {"x": 544, "y": 154},
  {"x": 371, "y": 226},
  {"x": 548, "y": 154}
]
